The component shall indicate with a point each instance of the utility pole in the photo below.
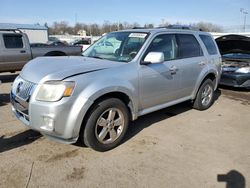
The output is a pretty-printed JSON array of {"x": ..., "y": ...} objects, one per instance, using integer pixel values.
[
  {"x": 244, "y": 13},
  {"x": 118, "y": 25}
]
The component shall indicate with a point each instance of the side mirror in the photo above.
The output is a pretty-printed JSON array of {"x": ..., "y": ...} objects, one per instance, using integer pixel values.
[{"x": 153, "y": 57}]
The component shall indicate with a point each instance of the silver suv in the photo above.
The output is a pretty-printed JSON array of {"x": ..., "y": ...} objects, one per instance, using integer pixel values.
[{"x": 122, "y": 76}]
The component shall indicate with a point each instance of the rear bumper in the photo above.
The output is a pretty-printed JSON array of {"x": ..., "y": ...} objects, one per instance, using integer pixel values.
[{"x": 235, "y": 79}]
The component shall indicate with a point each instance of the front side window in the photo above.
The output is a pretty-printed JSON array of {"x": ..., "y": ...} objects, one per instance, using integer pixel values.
[
  {"x": 13, "y": 41},
  {"x": 117, "y": 46},
  {"x": 210, "y": 46},
  {"x": 166, "y": 44},
  {"x": 188, "y": 46}
]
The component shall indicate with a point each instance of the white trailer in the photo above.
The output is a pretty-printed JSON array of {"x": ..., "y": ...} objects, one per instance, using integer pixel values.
[{"x": 36, "y": 33}]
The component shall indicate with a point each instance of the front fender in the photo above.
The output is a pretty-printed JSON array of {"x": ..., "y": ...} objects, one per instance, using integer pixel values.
[{"x": 97, "y": 89}]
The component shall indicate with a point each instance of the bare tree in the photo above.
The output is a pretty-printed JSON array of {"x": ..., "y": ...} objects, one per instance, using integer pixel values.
[
  {"x": 206, "y": 26},
  {"x": 98, "y": 29}
]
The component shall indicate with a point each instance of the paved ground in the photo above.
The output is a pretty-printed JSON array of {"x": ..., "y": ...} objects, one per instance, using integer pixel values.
[{"x": 174, "y": 147}]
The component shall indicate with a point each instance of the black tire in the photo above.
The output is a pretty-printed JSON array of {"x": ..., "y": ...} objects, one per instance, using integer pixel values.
[
  {"x": 90, "y": 133},
  {"x": 199, "y": 103}
]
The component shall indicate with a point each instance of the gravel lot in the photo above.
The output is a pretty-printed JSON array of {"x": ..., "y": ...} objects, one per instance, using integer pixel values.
[{"x": 174, "y": 147}]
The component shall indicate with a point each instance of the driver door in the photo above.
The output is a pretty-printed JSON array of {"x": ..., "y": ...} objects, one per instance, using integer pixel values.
[{"x": 159, "y": 83}]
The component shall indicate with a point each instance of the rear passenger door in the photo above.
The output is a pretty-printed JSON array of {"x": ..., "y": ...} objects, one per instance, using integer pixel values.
[{"x": 192, "y": 62}]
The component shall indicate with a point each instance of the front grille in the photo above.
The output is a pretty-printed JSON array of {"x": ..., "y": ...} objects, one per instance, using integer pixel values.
[{"x": 22, "y": 88}]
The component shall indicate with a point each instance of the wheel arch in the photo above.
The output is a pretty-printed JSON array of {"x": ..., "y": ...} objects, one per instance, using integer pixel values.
[
  {"x": 55, "y": 53},
  {"x": 209, "y": 75},
  {"x": 124, "y": 97}
]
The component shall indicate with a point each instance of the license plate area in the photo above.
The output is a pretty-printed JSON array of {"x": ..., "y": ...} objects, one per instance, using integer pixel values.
[{"x": 20, "y": 105}]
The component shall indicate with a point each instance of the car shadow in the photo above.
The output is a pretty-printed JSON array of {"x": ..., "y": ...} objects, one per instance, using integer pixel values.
[
  {"x": 239, "y": 89},
  {"x": 4, "y": 99},
  {"x": 18, "y": 140},
  {"x": 7, "y": 78},
  {"x": 154, "y": 117},
  {"x": 233, "y": 179}
]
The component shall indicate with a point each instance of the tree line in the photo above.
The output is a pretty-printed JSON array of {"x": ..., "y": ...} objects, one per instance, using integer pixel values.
[{"x": 95, "y": 29}]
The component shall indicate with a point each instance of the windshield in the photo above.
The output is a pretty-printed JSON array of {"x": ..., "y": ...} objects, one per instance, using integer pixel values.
[{"x": 117, "y": 46}]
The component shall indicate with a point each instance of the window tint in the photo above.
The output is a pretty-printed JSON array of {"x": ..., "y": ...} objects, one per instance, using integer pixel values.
[
  {"x": 13, "y": 41},
  {"x": 208, "y": 42},
  {"x": 188, "y": 46},
  {"x": 166, "y": 44}
]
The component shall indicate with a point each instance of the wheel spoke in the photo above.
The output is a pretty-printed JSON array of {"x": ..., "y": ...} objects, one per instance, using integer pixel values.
[
  {"x": 118, "y": 122},
  {"x": 203, "y": 95},
  {"x": 112, "y": 134},
  {"x": 109, "y": 125},
  {"x": 102, "y": 122},
  {"x": 111, "y": 115},
  {"x": 209, "y": 91},
  {"x": 206, "y": 95},
  {"x": 103, "y": 133}
]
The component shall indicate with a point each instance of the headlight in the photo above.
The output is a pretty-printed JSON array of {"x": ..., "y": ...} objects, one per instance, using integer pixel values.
[
  {"x": 243, "y": 70},
  {"x": 54, "y": 90}
]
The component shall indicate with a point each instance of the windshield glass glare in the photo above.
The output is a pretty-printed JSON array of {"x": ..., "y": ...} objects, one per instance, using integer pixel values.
[{"x": 118, "y": 46}]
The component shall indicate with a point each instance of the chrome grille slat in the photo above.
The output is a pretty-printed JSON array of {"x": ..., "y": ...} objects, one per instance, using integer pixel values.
[{"x": 22, "y": 88}]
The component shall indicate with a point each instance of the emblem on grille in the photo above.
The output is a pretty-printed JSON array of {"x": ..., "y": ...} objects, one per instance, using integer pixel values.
[{"x": 19, "y": 87}]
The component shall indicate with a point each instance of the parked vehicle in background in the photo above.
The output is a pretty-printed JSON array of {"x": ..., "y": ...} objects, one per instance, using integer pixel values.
[
  {"x": 15, "y": 50},
  {"x": 93, "y": 98},
  {"x": 235, "y": 52},
  {"x": 84, "y": 43},
  {"x": 57, "y": 43}
]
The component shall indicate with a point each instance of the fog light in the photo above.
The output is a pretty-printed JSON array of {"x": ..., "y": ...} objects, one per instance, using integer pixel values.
[{"x": 48, "y": 123}]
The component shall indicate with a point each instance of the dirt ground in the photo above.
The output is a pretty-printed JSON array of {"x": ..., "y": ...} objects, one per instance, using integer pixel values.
[{"x": 174, "y": 147}]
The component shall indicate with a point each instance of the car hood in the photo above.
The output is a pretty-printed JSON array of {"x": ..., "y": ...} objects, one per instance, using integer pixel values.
[
  {"x": 58, "y": 68},
  {"x": 233, "y": 44}
]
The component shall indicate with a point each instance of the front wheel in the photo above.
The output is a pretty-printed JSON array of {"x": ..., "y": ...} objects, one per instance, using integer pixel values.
[
  {"x": 106, "y": 124},
  {"x": 205, "y": 95}
]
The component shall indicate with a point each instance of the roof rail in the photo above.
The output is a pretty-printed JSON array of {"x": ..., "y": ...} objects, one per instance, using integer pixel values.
[
  {"x": 139, "y": 28},
  {"x": 187, "y": 27},
  {"x": 14, "y": 30},
  {"x": 182, "y": 27}
]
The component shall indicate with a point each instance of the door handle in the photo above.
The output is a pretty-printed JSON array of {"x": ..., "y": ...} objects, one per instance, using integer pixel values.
[
  {"x": 173, "y": 69},
  {"x": 22, "y": 51}
]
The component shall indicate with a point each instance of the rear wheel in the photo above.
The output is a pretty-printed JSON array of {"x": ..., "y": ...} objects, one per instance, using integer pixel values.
[
  {"x": 106, "y": 124},
  {"x": 205, "y": 95}
]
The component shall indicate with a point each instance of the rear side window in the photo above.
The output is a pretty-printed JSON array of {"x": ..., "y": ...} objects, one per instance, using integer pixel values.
[
  {"x": 188, "y": 46},
  {"x": 13, "y": 41},
  {"x": 209, "y": 43}
]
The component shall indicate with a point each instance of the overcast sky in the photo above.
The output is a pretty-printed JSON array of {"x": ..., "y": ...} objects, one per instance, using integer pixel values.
[{"x": 222, "y": 12}]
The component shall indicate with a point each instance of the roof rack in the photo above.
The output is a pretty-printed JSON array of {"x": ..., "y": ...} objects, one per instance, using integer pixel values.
[
  {"x": 187, "y": 27},
  {"x": 13, "y": 30},
  {"x": 139, "y": 28}
]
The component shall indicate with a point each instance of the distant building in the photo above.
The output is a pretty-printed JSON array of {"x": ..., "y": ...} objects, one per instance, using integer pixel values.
[
  {"x": 36, "y": 33},
  {"x": 82, "y": 33}
]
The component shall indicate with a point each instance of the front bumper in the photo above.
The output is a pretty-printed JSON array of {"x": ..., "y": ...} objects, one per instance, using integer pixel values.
[
  {"x": 60, "y": 121},
  {"x": 235, "y": 79}
]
